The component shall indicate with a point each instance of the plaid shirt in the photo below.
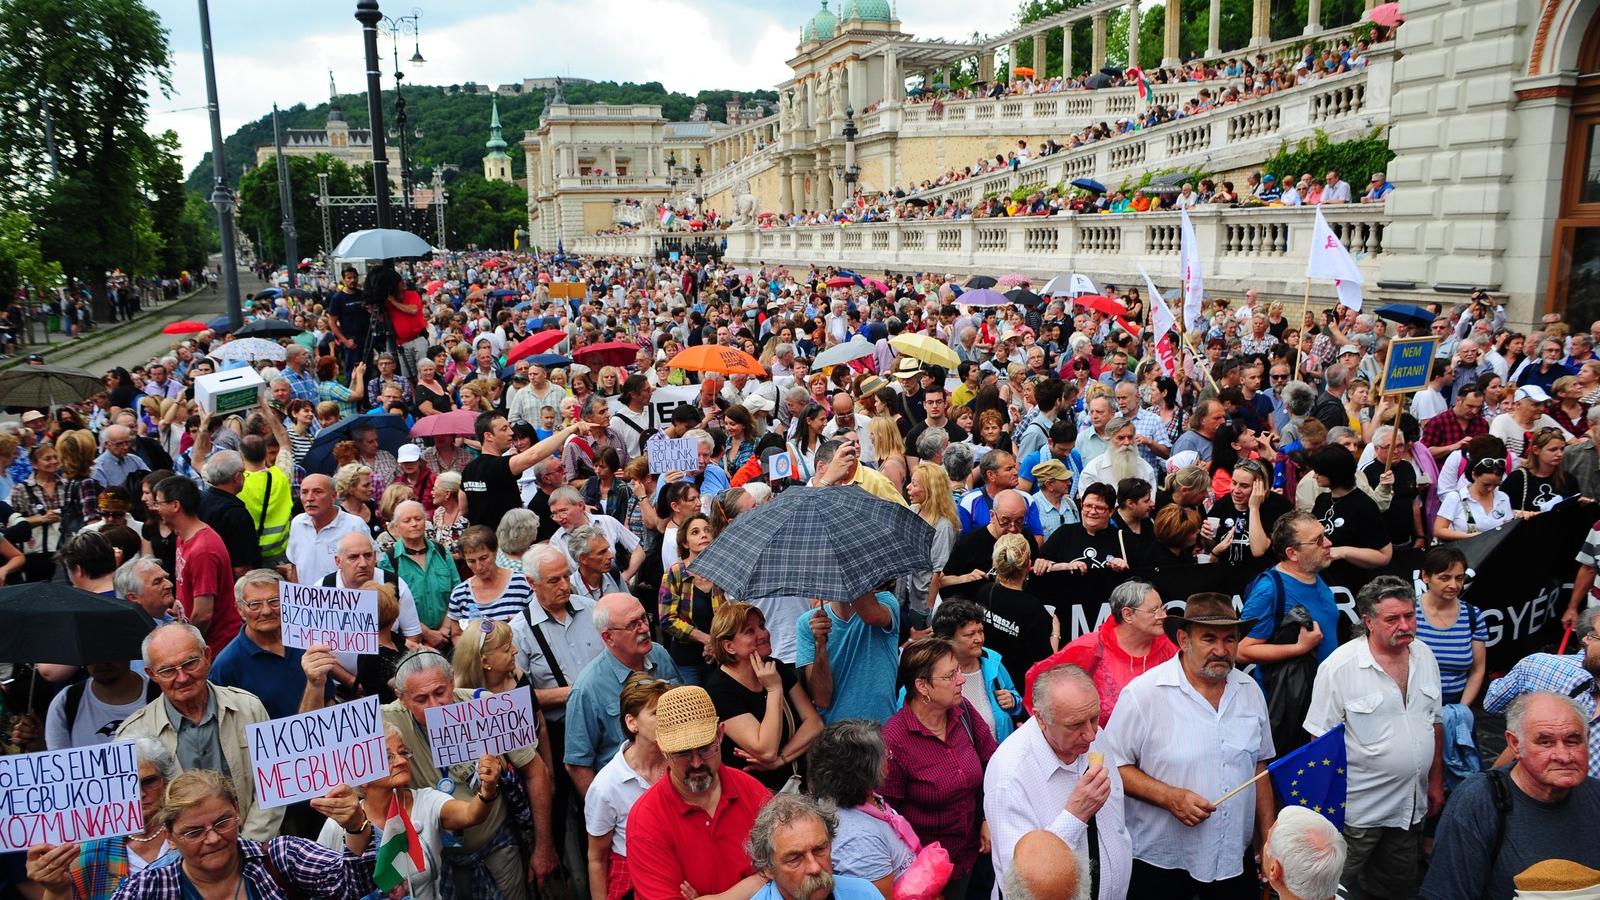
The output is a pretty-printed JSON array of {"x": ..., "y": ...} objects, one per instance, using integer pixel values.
[
  {"x": 1563, "y": 675},
  {"x": 303, "y": 385},
  {"x": 102, "y": 865},
  {"x": 338, "y": 393},
  {"x": 935, "y": 783},
  {"x": 309, "y": 866},
  {"x": 1445, "y": 429},
  {"x": 1148, "y": 424},
  {"x": 376, "y": 385}
]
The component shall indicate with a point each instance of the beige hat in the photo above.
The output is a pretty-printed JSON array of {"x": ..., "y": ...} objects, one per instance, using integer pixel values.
[
  {"x": 907, "y": 366},
  {"x": 1051, "y": 470},
  {"x": 872, "y": 384},
  {"x": 685, "y": 719}
]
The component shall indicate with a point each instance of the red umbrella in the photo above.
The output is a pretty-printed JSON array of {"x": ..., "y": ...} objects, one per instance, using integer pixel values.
[
  {"x": 184, "y": 328},
  {"x": 535, "y": 344},
  {"x": 1386, "y": 14},
  {"x": 459, "y": 423},
  {"x": 1100, "y": 303},
  {"x": 434, "y": 285},
  {"x": 611, "y": 353},
  {"x": 839, "y": 281}
]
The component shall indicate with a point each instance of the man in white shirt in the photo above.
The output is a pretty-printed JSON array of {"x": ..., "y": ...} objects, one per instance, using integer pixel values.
[
  {"x": 845, "y": 419},
  {"x": 568, "y": 510},
  {"x": 1046, "y": 777},
  {"x": 1335, "y": 191},
  {"x": 1188, "y": 730},
  {"x": 1385, "y": 691},
  {"x": 1187, "y": 198},
  {"x": 314, "y": 534},
  {"x": 1429, "y": 401}
]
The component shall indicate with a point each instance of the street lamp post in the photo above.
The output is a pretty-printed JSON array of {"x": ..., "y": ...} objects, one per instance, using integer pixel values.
[
  {"x": 672, "y": 177},
  {"x": 852, "y": 172},
  {"x": 221, "y": 197},
  {"x": 369, "y": 16},
  {"x": 394, "y": 28},
  {"x": 699, "y": 193},
  {"x": 291, "y": 244}
]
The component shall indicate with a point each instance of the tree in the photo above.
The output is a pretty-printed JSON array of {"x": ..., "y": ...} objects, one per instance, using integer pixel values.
[
  {"x": 21, "y": 260},
  {"x": 162, "y": 176},
  {"x": 260, "y": 211},
  {"x": 485, "y": 213}
]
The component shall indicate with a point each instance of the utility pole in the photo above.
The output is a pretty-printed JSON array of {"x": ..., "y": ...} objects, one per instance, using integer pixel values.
[
  {"x": 291, "y": 244},
  {"x": 368, "y": 14},
  {"x": 221, "y": 197}
]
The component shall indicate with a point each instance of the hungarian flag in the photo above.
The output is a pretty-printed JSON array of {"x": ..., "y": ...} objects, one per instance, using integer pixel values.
[
  {"x": 399, "y": 851},
  {"x": 1136, "y": 75}
]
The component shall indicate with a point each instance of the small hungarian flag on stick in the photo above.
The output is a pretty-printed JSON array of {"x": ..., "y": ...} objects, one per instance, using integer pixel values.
[
  {"x": 1136, "y": 75},
  {"x": 400, "y": 850}
]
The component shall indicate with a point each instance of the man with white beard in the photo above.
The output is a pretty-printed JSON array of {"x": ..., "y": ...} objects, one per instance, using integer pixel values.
[{"x": 1121, "y": 459}]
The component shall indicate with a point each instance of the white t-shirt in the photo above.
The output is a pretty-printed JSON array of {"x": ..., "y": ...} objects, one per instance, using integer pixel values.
[
  {"x": 96, "y": 723},
  {"x": 1509, "y": 430},
  {"x": 426, "y": 805},
  {"x": 1456, "y": 507},
  {"x": 616, "y": 787}
]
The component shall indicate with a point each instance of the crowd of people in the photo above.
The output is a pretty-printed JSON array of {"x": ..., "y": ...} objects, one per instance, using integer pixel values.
[{"x": 950, "y": 731}]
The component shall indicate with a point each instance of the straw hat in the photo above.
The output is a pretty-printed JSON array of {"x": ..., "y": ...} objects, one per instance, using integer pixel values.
[{"x": 685, "y": 719}]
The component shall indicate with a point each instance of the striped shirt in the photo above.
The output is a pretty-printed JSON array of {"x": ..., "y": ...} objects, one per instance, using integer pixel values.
[
  {"x": 1452, "y": 646},
  {"x": 464, "y": 606}
]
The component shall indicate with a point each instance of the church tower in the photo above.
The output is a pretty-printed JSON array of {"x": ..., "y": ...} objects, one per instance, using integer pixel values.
[{"x": 496, "y": 165}]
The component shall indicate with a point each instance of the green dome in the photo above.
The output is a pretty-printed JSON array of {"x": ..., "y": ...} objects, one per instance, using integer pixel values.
[
  {"x": 868, "y": 10},
  {"x": 822, "y": 26}
]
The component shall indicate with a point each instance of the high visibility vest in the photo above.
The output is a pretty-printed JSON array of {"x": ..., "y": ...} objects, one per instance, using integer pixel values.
[{"x": 268, "y": 496}]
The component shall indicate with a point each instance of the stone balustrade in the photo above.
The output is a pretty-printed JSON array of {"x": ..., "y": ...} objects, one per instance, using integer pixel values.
[{"x": 1263, "y": 247}]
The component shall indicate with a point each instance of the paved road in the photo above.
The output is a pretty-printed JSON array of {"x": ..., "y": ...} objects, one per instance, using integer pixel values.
[{"x": 134, "y": 343}]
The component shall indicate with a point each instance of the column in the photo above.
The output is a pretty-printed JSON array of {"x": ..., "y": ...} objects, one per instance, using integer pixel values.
[
  {"x": 986, "y": 66},
  {"x": 1039, "y": 56},
  {"x": 613, "y": 170},
  {"x": 810, "y": 117},
  {"x": 1170, "y": 34},
  {"x": 1214, "y": 30},
  {"x": 1260, "y": 22},
  {"x": 855, "y": 88},
  {"x": 1066, "y": 50},
  {"x": 894, "y": 83},
  {"x": 1314, "y": 18},
  {"x": 1133, "y": 32},
  {"x": 1011, "y": 58},
  {"x": 1097, "y": 49},
  {"x": 785, "y": 187}
]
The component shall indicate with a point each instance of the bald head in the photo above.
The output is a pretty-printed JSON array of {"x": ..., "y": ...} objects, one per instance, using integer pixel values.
[
  {"x": 1011, "y": 505},
  {"x": 842, "y": 404},
  {"x": 1043, "y": 867}
]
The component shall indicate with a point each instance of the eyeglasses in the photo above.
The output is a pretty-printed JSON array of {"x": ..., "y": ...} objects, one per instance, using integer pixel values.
[
  {"x": 406, "y": 755},
  {"x": 1321, "y": 539},
  {"x": 706, "y": 752},
  {"x": 951, "y": 677},
  {"x": 257, "y": 605},
  {"x": 189, "y": 666},
  {"x": 224, "y": 827},
  {"x": 631, "y": 624}
]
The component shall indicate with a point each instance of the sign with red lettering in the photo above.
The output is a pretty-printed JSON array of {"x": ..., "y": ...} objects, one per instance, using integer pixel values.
[
  {"x": 343, "y": 619},
  {"x": 488, "y": 724},
  {"x": 77, "y": 794},
  {"x": 300, "y": 757}
]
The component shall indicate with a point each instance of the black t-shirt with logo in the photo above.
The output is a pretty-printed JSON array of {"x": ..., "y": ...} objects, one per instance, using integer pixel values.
[
  {"x": 1399, "y": 515},
  {"x": 973, "y": 550},
  {"x": 1073, "y": 543},
  {"x": 1015, "y": 625},
  {"x": 1273, "y": 507},
  {"x": 491, "y": 490}
]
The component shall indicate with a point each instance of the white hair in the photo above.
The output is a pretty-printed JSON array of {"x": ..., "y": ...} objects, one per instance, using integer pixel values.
[
  {"x": 1311, "y": 852},
  {"x": 537, "y": 555}
]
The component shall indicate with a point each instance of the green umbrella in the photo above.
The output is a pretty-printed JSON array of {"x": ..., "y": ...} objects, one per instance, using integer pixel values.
[{"x": 45, "y": 386}]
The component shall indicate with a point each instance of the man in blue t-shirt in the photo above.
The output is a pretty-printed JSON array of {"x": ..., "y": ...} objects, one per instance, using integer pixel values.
[
  {"x": 848, "y": 653},
  {"x": 1300, "y": 541}
]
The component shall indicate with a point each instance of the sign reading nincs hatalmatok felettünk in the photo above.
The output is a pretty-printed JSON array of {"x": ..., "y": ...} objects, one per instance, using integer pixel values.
[
  {"x": 76, "y": 794},
  {"x": 303, "y": 756},
  {"x": 345, "y": 620},
  {"x": 488, "y": 724}
]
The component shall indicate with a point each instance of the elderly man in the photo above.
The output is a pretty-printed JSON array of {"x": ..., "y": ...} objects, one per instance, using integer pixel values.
[
  {"x": 1045, "y": 777},
  {"x": 488, "y": 850},
  {"x": 1303, "y": 856},
  {"x": 204, "y": 568},
  {"x": 1045, "y": 868},
  {"x": 1575, "y": 675},
  {"x": 998, "y": 470},
  {"x": 355, "y": 562},
  {"x": 845, "y": 420},
  {"x": 972, "y": 555},
  {"x": 385, "y": 468},
  {"x": 1190, "y": 729},
  {"x": 1150, "y": 433},
  {"x": 423, "y": 567},
  {"x": 791, "y": 843},
  {"x": 847, "y": 652},
  {"x": 143, "y": 582},
  {"x": 1121, "y": 459},
  {"x": 302, "y": 380},
  {"x": 1385, "y": 691},
  {"x": 594, "y": 557},
  {"x": 555, "y": 637},
  {"x": 700, "y": 804},
  {"x": 256, "y": 659},
  {"x": 314, "y": 534},
  {"x": 568, "y": 510},
  {"x": 1208, "y": 417},
  {"x": 201, "y": 723},
  {"x": 221, "y": 508},
  {"x": 594, "y": 731},
  {"x": 1094, "y": 440},
  {"x": 116, "y": 460},
  {"x": 1499, "y": 823}
]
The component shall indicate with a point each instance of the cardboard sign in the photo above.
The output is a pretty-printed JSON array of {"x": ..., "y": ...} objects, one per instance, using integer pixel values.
[
  {"x": 663, "y": 400},
  {"x": 77, "y": 794},
  {"x": 343, "y": 619},
  {"x": 488, "y": 724},
  {"x": 1409, "y": 366},
  {"x": 672, "y": 454},
  {"x": 304, "y": 756}
]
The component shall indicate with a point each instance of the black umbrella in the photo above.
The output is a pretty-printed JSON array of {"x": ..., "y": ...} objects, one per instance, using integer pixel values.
[
  {"x": 1112, "y": 71},
  {"x": 981, "y": 281},
  {"x": 1024, "y": 297},
  {"x": 1175, "y": 179},
  {"x": 917, "y": 201},
  {"x": 47, "y": 385},
  {"x": 50, "y": 622},
  {"x": 269, "y": 328},
  {"x": 1154, "y": 188},
  {"x": 834, "y": 543},
  {"x": 1097, "y": 81}
]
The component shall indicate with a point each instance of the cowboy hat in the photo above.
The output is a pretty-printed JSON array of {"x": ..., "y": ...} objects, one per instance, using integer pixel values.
[{"x": 1206, "y": 610}]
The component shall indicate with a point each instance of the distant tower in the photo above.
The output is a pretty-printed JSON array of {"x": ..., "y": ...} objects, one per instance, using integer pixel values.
[
  {"x": 338, "y": 128},
  {"x": 496, "y": 165}
]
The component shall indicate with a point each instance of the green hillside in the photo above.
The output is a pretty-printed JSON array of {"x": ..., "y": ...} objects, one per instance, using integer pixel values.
[{"x": 455, "y": 125}]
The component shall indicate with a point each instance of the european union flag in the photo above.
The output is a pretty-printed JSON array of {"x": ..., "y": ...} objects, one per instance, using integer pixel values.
[{"x": 1314, "y": 776}]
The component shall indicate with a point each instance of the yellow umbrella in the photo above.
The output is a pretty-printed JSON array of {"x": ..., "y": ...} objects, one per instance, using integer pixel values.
[{"x": 931, "y": 351}]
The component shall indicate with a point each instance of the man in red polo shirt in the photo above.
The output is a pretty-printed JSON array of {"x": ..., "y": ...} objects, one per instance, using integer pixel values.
[
  {"x": 205, "y": 572},
  {"x": 691, "y": 827}
]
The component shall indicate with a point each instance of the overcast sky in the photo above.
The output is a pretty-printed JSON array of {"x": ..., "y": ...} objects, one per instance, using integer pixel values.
[{"x": 283, "y": 55}]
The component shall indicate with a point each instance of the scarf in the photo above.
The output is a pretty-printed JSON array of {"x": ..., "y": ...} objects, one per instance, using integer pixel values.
[{"x": 883, "y": 812}]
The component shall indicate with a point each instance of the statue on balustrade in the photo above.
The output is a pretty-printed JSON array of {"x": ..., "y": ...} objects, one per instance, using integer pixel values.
[
  {"x": 836, "y": 88},
  {"x": 744, "y": 204}
]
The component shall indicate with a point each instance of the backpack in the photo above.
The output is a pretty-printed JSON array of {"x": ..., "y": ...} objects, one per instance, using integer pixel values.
[{"x": 1287, "y": 684}]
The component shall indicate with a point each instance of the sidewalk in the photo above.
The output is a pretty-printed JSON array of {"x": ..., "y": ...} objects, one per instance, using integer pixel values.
[{"x": 60, "y": 346}]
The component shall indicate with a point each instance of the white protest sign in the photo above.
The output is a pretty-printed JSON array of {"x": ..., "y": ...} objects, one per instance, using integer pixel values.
[
  {"x": 343, "y": 619},
  {"x": 663, "y": 400},
  {"x": 77, "y": 794},
  {"x": 304, "y": 756},
  {"x": 779, "y": 466},
  {"x": 672, "y": 454},
  {"x": 489, "y": 724}
]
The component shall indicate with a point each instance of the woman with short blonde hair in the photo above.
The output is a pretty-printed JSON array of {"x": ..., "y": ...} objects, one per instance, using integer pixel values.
[{"x": 768, "y": 719}]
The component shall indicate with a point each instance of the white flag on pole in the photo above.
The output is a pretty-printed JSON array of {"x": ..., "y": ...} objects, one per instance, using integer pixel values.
[
  {"x": 1330, "y": 259},
  {"x": 1194, "y": 289},
  {"x": 1162, "y": 323}
]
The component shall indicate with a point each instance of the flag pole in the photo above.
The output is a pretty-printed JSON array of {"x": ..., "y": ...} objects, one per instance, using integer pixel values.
[
  {"x": 1305, "y": 307},
  {"x": 1240, "y": 789}
]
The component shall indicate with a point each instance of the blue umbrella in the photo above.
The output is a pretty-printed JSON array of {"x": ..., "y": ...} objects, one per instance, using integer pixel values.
[
  {"x": 1089, "y": 184},
  {"x": 526, "y": 304},
  {"x": 503, "y": 292},
  {"x": 549, "y": 360},
  {"x": 270, "y": 292},
  {"x": 392, "y": 432},
  {"x": 985, "y": 297},
  {"x": 1407, "y": 314},
  {"x": 220, "y": 325}
]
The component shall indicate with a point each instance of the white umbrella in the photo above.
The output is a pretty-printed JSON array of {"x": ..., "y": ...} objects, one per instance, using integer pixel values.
[
  {"x": 250, "y": 350},
  {"x": 381, "y": 243},
  {"x": 1059, "y": 286},
  {"x": 839, "y": 354}
]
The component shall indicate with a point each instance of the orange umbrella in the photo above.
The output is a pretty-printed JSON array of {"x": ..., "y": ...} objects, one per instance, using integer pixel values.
[
  {"x": 717, "y": 358},
  {"x": 1023, "y": 72}
]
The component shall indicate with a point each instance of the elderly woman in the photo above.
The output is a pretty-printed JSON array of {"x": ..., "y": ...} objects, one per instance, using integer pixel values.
[
  {"x": 517, "y": 531},
  {"x": 393, "y": 496},
  {"x": 449, "y": 520},
  {"x": 961, "y": 623},
  {"x": 352, "y": 484},
  {"x": 1025, "y": 632},
  {"x": 938, "y": 747},
  {"x": 431, "y": 811},
  {"x": 201, "y": 820},
  {"x": 594, "y": 575},
  {"x": 619, "y": 784},
  {"x": 430, "y": 396},
  {"x": 95, "y": 868},
  {"x": 767, "y": 717},
  {"x": 873, "y": 842},
  {"x": 688, "y": 602},
  {"x": 1126, "y": 645},
  {"x": 491, "y": 591}
]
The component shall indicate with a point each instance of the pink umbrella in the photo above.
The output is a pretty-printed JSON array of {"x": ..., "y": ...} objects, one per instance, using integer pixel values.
[
  {"x": 877, "y": 285},
  {"x": 1386, "y": 14},
  {"x": 1015, "y": 279},
  {"x": 459, "y": 423}
]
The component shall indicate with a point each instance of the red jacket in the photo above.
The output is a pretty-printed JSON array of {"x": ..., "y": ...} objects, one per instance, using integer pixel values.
[{"x": 1099, "y": 654}]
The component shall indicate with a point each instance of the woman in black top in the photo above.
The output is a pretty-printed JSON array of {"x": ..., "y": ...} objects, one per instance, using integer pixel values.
[
  {"x": 163, "y": 541},
  {"x": 429, "y": 396},
  {"x": 1016, "y": 624},
  {"x": 1352, "y": 519},
  {"x": 768, "y": 719},
  {"x": 124, "y": 392},
  {"x": 1540, "y": 481}
]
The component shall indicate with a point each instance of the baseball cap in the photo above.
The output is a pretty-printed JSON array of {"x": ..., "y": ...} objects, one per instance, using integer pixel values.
[
  {"x": 1526, "y": 392},
  {"x": 408, "y": 453},
  {"x": 1349, "y": 348},
  {"x": 685, "y": 719}
]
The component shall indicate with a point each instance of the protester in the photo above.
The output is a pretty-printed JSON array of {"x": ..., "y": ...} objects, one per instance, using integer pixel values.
[
  {"x": 1303, "y": 857},
  {"x": 1130, "y": 642},
  {"x": 767, "y": 718},
  {"x": 791, "y": 843},
  {"x": 619, "y": 785},
  {"x": 988, "y": 686},
  {"x": 846, "y": 651},
  {"x": 873, "y": 842}
]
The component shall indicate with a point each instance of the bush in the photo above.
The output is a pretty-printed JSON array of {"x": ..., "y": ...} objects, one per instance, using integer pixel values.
[{"x": 1354, "y": 160}]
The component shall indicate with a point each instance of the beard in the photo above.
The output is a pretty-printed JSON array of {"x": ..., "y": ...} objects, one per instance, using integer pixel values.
[
  {"x": 1124, "y": 463},
  {"x": 700, "y": 780}
]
